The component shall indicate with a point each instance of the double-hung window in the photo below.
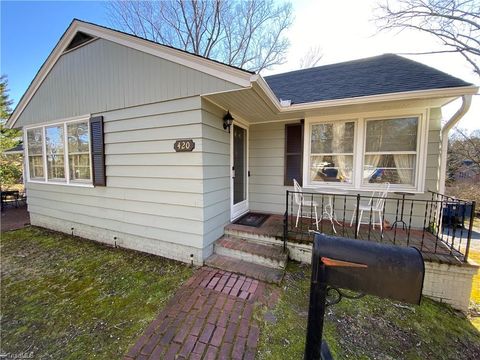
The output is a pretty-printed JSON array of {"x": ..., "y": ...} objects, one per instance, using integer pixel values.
[
  {"x": 359, "y": 153},
  {"x": 331, "y": 152},
  {"x": 35, "y": 154},
  {"x": 55, "y": 148},
  {"x": 78, "y": 151},
  {"x": 60, "y": 153},
  {"x": 390, "y": 151}
]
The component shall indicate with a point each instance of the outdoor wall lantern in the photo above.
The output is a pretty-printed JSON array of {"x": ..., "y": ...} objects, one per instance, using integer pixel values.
[{"x": 227, "y": 121}]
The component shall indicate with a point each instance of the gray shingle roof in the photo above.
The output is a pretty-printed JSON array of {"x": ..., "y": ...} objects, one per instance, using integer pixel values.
[{"x": 382, "y": 74}]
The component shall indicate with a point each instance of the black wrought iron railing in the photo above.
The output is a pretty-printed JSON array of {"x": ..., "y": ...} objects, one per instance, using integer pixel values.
[{"x": 438, "y": 225}]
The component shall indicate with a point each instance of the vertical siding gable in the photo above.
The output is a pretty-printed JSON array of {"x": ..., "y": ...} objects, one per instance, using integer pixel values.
[{"x": 103, "y": 76}]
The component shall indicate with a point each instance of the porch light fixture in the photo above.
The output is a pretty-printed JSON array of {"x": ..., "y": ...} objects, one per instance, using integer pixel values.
[{"x": 227, "y": 121}]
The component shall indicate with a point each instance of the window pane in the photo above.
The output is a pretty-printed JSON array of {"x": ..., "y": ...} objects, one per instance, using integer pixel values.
[
  {"x": 395, "y": 169},
  {"x": 78, "y": 139},
  {"x": 55, "y": 152},
  {"x": 332, "y": 138},
  {"x": 79, "y": 167},
  {"x": 35, "y": 165},
  {"x": 392, "y": 135},
  {"x": 56, "y": 167},
  {"x": 35, "y": 141},
  {"x": 328, "y": 168}
]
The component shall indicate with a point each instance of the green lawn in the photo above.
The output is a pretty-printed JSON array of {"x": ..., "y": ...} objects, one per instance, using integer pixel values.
[
  {"x": 68, "y": 298},
  {"x": 369, "y": 328}
]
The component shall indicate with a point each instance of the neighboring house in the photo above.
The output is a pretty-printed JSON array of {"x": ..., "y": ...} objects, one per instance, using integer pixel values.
[
  {"x": 468, "y": 172},
  {"x": 103, "y": 114}
]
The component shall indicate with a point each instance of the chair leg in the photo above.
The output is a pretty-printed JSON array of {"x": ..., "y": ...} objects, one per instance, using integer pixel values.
[
  {"x": 381, "y": 220},
  {"x": 373, "y": 219},
  {"x": 353, "y": 216},
  {"x": 360, "y": 215},
  {"x": 298, "y": 214},
  {"x": 316, "y": 217}
]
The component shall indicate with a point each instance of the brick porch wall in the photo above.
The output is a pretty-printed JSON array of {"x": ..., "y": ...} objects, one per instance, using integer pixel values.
[{"x": 451, "y": 284}]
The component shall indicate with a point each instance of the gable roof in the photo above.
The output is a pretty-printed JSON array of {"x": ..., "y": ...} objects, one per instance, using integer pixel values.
[
  {"x": 376, "y": 75},
  {"x": 215, "y": 68}
]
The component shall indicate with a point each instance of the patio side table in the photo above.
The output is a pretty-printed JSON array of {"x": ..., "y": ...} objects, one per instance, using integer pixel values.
[
  {"x": 397, "y": 220},
  {"x": 329, "y": 209}
]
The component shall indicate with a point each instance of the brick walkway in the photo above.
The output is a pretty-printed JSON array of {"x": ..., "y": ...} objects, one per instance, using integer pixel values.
[{"x": 210, "y": 317}]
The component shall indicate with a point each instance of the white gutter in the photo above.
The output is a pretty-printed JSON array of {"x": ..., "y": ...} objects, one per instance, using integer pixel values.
[{"x": 466, "y": 102}]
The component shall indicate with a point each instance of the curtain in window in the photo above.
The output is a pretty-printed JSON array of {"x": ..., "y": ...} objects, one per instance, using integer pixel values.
[
  {"x": 338, "y": 139},
  {"x": 405, "y": 165}
]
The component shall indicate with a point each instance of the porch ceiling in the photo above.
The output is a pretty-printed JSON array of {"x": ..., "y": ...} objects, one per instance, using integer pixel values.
[{"x": 253, "y": 106}]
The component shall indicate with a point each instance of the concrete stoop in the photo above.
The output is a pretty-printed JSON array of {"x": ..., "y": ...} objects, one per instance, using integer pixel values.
[{"x": 265, "y": 262}]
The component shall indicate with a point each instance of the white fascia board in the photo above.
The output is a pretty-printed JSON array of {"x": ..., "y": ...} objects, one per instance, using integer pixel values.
[
  {"x": 407, "y": 95},
  {"x": 213, "y": 68},
  {"x": 265, "y": 88}
]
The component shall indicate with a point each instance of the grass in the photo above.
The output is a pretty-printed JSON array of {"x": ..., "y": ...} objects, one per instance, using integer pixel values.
[
  {"x": 368, "y": 328},
  {"x": 68, "y": 298}
]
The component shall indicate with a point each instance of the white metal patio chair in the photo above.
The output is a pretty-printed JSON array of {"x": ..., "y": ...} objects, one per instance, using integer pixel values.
[
  {"x": 375, "y": 205},
  {"x": 301, "y": 202}
]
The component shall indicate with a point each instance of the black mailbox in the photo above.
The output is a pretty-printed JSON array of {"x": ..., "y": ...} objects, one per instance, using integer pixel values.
[{"x": 386, "y": 271}]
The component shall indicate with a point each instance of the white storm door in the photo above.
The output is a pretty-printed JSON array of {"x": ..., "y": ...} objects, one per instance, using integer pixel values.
[{"x": 239, "y": 170}]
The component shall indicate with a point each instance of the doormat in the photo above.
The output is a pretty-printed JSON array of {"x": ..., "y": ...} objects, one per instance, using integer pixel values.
[{"x": 252, "y": 219}]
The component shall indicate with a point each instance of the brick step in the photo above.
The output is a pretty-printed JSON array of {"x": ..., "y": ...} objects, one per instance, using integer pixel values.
[
  {"x": 259, "y": 272},
  {"x": 250, "y": 251},
  {"x": 254, "y": 235}
]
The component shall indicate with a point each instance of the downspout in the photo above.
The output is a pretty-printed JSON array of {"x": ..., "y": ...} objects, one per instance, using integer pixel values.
[{"x": 466, "y": 102}]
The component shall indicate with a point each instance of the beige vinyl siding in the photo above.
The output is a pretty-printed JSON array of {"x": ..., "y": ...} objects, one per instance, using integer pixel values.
[
  {"x": 102, "y": 75},
  {"x": 154, "y": 193},
  {"x": 216, "y": 172},
  {"x": 267, "y": 143},
  {"x": 432, "y": 174}
]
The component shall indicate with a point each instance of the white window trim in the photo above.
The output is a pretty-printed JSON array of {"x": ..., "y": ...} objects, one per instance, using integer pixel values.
[
  {"x": 67, "y": 181},
  {"x": 307, "y": 159},
  {"x": 359, "y": 149}
]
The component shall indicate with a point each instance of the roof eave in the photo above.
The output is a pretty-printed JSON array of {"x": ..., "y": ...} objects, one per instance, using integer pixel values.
[{"x": 406, "y": 95}]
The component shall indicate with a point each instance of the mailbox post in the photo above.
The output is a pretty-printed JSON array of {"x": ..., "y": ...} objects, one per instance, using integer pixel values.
[{"x": 386, "y": 271}]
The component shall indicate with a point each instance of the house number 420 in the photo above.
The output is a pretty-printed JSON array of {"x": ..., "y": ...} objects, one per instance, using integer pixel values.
[{"x": 184, "y": 145}]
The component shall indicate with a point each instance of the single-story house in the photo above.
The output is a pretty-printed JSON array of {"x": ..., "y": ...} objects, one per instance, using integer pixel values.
[{"x": 132, "y": 143}]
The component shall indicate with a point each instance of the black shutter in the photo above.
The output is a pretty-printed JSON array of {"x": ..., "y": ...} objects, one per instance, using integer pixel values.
[
  {"x": 293, "y": 153},
  {"x": 98, "y": 151}
]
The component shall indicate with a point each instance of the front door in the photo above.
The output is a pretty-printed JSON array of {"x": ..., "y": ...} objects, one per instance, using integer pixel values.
[{"x": 239, "y": 166}]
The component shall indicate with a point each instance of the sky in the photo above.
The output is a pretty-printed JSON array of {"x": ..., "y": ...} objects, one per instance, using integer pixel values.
[{"x": 343, "y": 29}]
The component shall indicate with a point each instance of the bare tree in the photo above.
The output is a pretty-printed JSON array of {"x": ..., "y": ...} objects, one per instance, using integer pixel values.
[
  {"x": 455, "y": 23},
  {"x": 464, "y": 145},
  {"x": 247, "y": 34},
  {"x": 464, "y": 164},
  {"x": 311, "y": 58}
]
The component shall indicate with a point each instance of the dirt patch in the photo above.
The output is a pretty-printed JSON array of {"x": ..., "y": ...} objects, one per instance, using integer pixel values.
[{"x": 14, "y": 218}]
